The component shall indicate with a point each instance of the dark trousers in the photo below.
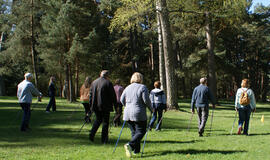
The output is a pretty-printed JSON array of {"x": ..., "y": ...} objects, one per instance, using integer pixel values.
[
  {"x": 101, "y": 117},
  {"x": 51, "y": 104},
  {"x": 26, "y": 115},
  {"x": 86, "y": 108},
  {"x": 244, "y": 116},
  {"x": 118, "y": 113},
  {"x": 138, "y": 130},
  {"x": 158, "y": 113},
  {"x": 202, "y": 118}
]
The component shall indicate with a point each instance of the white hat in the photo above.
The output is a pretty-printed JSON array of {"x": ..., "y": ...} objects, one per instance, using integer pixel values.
[{"x": 27, "y": 75}]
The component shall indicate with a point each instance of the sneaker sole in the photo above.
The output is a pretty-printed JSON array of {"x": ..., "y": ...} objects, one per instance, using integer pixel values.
[{"x": 128, "y": 152}]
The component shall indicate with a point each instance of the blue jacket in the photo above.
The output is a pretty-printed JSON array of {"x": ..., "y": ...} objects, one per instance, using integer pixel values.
[{"x": 201, "y": 96}]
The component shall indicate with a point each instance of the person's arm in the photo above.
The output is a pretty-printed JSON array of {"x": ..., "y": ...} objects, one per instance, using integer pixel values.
[
  {"x": 151, "y": 97},
  {"x": 146, "y": 100},
  {"x": 236, "y": 103},
  {"x": 113, "y": 95},
  {"x": 164, "y": 101},
  {"x": 91, "y": 97},
  {"x": 34, "y": 91},
  {"x": 193, "y": 100},
  {"x": 252, "y": 101},
  {"x": 123, "y": 98}
]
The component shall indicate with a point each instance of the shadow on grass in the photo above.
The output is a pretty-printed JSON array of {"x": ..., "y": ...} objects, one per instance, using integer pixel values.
[{"x": 192, "y": 152}]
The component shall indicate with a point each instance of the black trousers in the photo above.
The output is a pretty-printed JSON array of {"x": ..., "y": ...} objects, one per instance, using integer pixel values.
[
  {"x": 26, "y": 115},
  {"x": 86, "y": 108},
  {"x": 138, "y": 130},
  {"x": 118, "y": 113},
  {"x": 101, "y": 117},
  {"x": 51, "y": 104}
]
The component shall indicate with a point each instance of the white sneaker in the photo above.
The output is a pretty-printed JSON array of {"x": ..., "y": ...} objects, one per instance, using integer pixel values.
[
  {"x": 128, "y": 150},
  {"x": 48, "y": 112}
]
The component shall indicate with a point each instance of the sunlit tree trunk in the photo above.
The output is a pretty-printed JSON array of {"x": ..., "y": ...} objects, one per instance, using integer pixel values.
[
  {"x": 162, "y": 75},
  {"x": 169, "y": 56}
]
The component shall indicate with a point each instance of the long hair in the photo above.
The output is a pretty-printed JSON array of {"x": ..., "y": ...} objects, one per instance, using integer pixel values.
[
  {"x": 87, "y": 82},
  {"x": 52, "y": 78}
]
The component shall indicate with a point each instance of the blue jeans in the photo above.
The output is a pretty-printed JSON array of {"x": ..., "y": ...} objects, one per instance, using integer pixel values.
[
  {"x": 244, "y": 116},
  {"x": 159, "y": 111},
  {"x": 26, "y": 115},
  {"x": 51, "y": 104},
  {"x": 138, "y": 130}
]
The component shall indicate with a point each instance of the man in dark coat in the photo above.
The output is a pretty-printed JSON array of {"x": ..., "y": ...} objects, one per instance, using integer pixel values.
[{"x": 102, "y": 98}]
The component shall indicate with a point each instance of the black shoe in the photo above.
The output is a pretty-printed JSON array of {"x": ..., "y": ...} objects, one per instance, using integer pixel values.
[{"x": 200, "y": 134}]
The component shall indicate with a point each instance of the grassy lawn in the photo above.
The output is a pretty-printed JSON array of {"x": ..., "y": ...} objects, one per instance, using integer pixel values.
[{"x": 55, "y": 135}]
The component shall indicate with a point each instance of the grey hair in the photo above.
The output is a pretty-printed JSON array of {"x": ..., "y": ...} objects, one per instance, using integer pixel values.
[{"x": 104, "y": 73}]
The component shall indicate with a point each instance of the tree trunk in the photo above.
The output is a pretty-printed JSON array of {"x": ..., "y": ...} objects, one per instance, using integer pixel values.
[
  {"x": 77, "y": 78},
  {"x": 33, "y": 44},
  {"x": 169, "y": 56},
  {"x": 211, "y": 57},
  {"x": 162, "y": 75},
  {"x": 67, "y": 88},
  {"x": 71, "y": 95}
]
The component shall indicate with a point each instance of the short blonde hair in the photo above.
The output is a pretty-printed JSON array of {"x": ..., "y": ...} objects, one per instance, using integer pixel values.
[
  {"x": 245, "y": 83},
  {"x": 136, "y": 78}
]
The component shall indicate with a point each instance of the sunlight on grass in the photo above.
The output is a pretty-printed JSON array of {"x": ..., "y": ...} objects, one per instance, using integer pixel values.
[{"x": 56, "y": 135}]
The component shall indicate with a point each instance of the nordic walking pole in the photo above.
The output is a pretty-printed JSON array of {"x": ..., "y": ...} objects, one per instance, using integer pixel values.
[
  {"x": 119, "y": 136},
  {"x": 159, "y": 121},
  {"x": 212, "y": 119},
  {"x": 146, "y": 134},
  {"x": 82, "y": 127},
  {"x": 83, "y": 124},
  {"x": 190, "y": 120},
  {"x": 234, "y": 121}
]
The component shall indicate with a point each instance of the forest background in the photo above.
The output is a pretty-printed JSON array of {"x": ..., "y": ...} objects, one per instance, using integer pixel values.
[{"x": 175, "y": 41}]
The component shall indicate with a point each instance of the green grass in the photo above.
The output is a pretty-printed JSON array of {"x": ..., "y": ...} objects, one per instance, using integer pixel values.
[{"x": 55, "y": 136}]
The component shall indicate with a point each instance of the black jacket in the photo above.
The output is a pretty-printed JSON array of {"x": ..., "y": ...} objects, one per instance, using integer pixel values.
[
  {"x": 102, "y": 96},
  {"x": 51, "y": 90}
]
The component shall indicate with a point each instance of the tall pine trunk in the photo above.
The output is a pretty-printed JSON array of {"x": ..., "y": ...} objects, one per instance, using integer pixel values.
[
  {"x": 33, "y": 53},
  {"x": 169, "y": 56},
  {"x": 211, "y": 56},
  {"x": 162, "y": 75}
]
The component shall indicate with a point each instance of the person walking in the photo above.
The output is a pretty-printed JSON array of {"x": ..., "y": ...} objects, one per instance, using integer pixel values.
[
  {"x": 245, "y": 103},
  {"x": 135, "y": 98},
  {"x": 200, "y": 98},
  {"x": 101, "y": 99},
  {"x": 51, "y": 93},
  {"x": 25, "y": 92},
  {"x": 158, "y": 102},
  {"x": 118, "y": 108},
  {"x": 84, "y": 98}
]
